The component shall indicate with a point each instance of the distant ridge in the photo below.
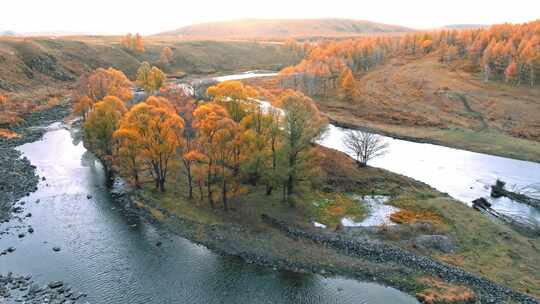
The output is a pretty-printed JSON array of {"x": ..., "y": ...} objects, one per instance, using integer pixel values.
[
  {"x": 283, "y": 28},
  {"x": 465, "y": 26}
]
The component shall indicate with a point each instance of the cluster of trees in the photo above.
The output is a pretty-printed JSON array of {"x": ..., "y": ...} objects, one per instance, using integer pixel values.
[
  {"x": 508, "y": 52},
  {"x": 327, "y": 64},
  {"x": 217, "y": 147},
  {"x": 133, "y": 43}
]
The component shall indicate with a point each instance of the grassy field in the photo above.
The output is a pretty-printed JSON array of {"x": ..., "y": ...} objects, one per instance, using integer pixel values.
[{"x": 484, "y": 246}]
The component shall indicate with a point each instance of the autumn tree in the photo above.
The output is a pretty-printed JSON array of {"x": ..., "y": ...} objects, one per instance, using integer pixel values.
[
  {"x": 234, "y": 97},
  {"x": 127, "y": 41},
  {"x": 133, "y": 43},
  {"x": 185, "y": 106},
  {"x": 138, "y": 45},
  {"x": 347, "y": 85},
  {"x": 209, "y": 121},
  {"x": 303, "y": 124},
  {"x": 364, "y": 146},
  {"x": 157, "y": 130},
  {"x": 129, "y": 153},
  {"x": 101, "y": 123},
  {"x": 82, "y": 106},
  {"x": 274, "y": 137},
  {"x": 150, "y": 78},
  {"x": 98, "y": 85},
  {"x": 511, "y": 73},
  {"x": 166, "y": 57},
  {"x": 3, "y": 102},
  {"x": 105, "y": 82}
]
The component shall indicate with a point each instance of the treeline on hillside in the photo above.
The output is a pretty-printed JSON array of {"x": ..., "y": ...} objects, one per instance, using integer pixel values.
[
  {"x": 509, "y": 52},
  {"x": 217, "y": 147}
]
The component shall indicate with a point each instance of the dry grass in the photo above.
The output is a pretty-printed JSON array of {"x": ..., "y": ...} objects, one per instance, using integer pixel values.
[
  {"x": 411, "y": 217},
  {"x": 438, "y": 291},
  {"x": 5, "y": 133}
]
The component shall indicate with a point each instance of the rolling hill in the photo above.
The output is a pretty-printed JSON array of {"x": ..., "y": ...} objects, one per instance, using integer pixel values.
[{"x": 283, "y": 28}]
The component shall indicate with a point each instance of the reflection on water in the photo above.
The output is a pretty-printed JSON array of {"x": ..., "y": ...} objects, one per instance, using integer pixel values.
[
  {"x": 246, "y": 75},
  {"x": 113, "y": 257},
  {"x": 462, "y": 174},
  {"x": 378, "y": 212}
]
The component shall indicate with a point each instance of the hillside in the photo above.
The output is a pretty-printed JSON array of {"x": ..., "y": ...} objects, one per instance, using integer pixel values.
[
  {"x": 420, "y": 98},
  {"x": 27, "y": 63},
  {"x": 283, "y": 28}
]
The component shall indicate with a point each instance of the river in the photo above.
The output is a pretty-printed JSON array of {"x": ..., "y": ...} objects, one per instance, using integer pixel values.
[{"x": 113, "y": 257}]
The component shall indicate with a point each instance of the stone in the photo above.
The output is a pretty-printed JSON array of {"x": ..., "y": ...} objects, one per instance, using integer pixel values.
[
  {"x": 158, "y": 243},
  {"x": 55, "y": 284},
  {"x": 56, "y": 249},
  {"x": 29, "y": 214},
  {"x": 21, "y": 235},
  {"x": 30, "y": 230},
  {"x": 88, "y": 196},
  {"x": 440, "y": 243},
  {"x": 11, "y": 249}
]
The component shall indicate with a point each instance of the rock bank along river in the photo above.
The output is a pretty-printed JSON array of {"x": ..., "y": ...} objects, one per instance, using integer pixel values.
[{"x": 113, "y": 257}]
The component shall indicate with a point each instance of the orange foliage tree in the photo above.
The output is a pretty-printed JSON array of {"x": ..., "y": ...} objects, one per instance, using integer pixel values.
[
  {"x": 99, "y": 84},
  {"x": 157, "y": 130},
  {"x": 101, "y": 123},
  {"x": 234, "y": 96},
  {"x": 347, "y": 85},
  {"x": 210, "y": 121},
  {"x": 303, "y": 124},
  {"x": 150, "y": 78},
  {"x": 166, "y": 57}
]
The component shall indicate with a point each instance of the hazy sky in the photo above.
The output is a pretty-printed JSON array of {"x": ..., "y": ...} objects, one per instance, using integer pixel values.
[{"x": 152, "y": 16}]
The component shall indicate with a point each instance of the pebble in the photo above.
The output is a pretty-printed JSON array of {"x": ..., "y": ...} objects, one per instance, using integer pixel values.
[{"x": 55, "y": 284}]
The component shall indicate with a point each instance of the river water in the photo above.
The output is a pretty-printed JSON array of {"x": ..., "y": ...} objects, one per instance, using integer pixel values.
[
  {"x": 462, "y": 174},
  {"x": 114, "y": 258}
]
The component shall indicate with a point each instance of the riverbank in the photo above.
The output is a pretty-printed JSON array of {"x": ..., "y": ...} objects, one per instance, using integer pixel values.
[
  {"x": 394, "y": 255},
  {"x": 18, "y": 174}
]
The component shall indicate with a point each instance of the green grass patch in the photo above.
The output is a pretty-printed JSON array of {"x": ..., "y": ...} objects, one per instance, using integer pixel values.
[{"x": 330, "y": 208}]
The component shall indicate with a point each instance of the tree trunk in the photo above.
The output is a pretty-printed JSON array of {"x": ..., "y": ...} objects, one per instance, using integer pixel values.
[
  {"x": 224, "y": 195},
  {"x": 209, "y": 186},
  {"x": 269, "y": 189}
]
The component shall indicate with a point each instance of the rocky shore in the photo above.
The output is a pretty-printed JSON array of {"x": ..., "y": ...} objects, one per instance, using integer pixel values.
[
  {"x": 18, "y": 174},
  {"x": 22, "y": 289}
]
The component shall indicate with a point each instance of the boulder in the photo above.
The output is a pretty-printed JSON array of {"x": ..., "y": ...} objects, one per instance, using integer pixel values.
[
  {"x": 430, "y": 243},
  {"x": 55, "y": 284}
]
